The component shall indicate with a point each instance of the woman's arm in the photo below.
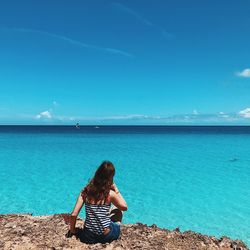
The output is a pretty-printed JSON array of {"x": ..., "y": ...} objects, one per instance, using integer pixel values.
[
  {"x": 74, "y": 214},
  {"x": 117, "y": 199}
]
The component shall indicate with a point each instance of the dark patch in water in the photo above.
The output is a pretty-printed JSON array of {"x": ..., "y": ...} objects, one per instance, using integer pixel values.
[{"x": 233, "y": 159}]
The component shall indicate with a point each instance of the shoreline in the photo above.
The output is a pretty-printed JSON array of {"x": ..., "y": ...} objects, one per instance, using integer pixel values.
[{"x": 25, "y": 231}]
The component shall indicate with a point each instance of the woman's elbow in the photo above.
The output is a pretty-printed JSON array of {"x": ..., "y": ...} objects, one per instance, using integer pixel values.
[{"x": 124, "y": 208}]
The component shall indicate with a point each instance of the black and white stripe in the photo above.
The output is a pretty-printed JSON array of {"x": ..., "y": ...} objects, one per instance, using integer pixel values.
[{"x": 97, "y": 217}]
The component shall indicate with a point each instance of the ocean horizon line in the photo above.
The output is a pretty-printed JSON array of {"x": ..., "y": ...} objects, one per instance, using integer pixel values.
[{"x": 116, "y": 125}]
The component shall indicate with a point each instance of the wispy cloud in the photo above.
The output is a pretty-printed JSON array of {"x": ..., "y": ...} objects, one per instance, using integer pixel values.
[
  {"x": 245, "y": 113},
  {"x": 44, "y": 115},
  {"x": 116, "y": 51},
  {"x": 195, "y": 112},
  {"x": 142, "y": 19},
  {"x": 69, "y": 40},
  {"x": 223, "y": 115},
  {"x": 51, "y": 116},
  {"x": 133, "y": 13},
  {"x": 106, "y": 118},
  {"x": 244, "y": 73},
  {"x": 191, "y": 118},
  {"x": 131, "y": 117},
  {"x": 55, "y": 103}
]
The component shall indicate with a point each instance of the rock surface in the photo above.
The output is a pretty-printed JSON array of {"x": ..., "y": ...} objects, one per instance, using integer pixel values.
[{"x": 24, "y": 231}]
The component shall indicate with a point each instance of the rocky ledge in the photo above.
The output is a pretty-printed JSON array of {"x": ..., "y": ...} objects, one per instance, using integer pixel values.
[{"x": 25, "y": 231}]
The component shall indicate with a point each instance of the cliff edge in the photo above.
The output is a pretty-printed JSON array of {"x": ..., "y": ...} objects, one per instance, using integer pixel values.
[{"x": 24, "y": 231}]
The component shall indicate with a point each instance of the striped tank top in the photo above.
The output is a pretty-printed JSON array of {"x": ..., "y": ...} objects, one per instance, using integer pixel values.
[{"x": 97, "y": 217}]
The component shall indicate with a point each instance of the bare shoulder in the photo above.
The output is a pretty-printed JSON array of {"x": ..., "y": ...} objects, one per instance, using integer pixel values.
[
  {"x": 112, "y": 196},
  {"x": 112, "y": 193}
]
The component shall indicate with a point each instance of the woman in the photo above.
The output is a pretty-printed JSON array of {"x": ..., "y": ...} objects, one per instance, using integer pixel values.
[{"x": 100, "y": 225}]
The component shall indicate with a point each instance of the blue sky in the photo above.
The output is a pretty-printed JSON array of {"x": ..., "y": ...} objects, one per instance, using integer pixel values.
[{"x": 125, "y": 62}]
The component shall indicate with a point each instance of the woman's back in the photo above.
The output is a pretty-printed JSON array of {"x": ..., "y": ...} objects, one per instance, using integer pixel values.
[{"x": 97, "y": 217}]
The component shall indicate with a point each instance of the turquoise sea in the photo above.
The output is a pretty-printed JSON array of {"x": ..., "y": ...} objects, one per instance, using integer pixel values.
[{"x": 195, "y": 178}]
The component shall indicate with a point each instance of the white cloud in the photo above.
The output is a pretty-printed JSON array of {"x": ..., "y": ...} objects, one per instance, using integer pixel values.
[
  {"x": 55, "y": 103},
  {"x": 223, "y": 115},
  {"x": 106, "y": 118},
  {"x": 244, "y": 73},
  {"x": 192, "y": 118},
  {"x": 195, "y": 112},
  {"x": 245, "y": 113},
  {"x": 126, "y": 117},
  {"x": 45, "y": 114}
]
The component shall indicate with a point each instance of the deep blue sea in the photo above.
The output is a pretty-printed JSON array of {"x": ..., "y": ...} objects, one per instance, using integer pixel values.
[{"x": 195, "y": 178}]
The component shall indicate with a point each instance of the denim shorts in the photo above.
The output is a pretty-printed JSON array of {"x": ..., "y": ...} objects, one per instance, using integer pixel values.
[{"x": 89, "y": 237}]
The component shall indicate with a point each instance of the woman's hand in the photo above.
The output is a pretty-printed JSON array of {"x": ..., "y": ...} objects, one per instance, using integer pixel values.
[{"x": 70, "y": 233}]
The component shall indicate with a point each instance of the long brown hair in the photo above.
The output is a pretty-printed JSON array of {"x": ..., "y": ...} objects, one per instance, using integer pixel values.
[{"x": 99, "y": 187}]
